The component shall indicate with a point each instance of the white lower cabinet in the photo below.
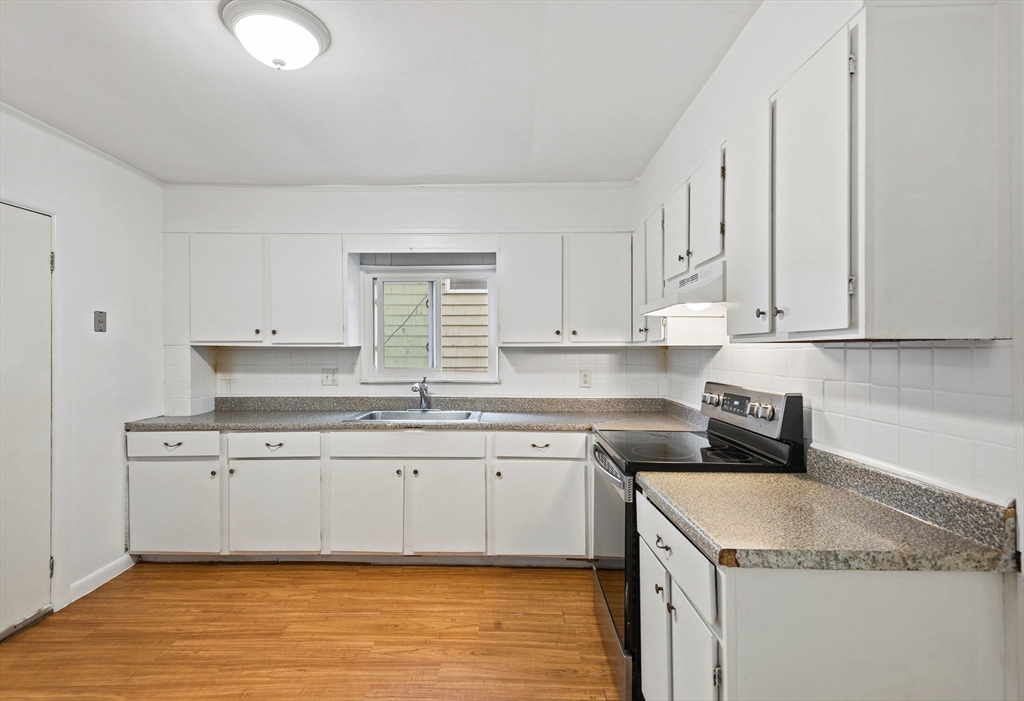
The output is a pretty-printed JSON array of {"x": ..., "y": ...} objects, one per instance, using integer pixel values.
[
  {"x": 655, "y": 641},
  {"x": 694, "y": 652},
  {"x": 174, "y": 506},
  {"x": 274, "y": 505},
  {"x": 539, "y": 507},
  {"x": 367, "y": 506},
  {"x": 446, "y": 506}
]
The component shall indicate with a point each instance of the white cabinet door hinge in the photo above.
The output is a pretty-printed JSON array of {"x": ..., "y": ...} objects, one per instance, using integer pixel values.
[
  {"x": 851, "y": 285},
  {"x": 51, "y": 567},
  {"x": 52, "y": 262},
  {"x": 852, "y": 64},
  {"x": 716, "y": 676}
]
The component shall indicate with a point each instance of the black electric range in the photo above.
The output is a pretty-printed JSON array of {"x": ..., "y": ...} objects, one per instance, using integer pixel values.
[{"x": 748, "y": 431}]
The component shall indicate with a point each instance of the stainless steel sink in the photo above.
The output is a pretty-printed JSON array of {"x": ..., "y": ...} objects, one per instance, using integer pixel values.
[{"x": 418, "y": 416}]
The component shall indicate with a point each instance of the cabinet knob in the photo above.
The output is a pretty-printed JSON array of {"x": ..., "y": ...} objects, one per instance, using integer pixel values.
[
  {"x": 415, "y": 472},
  {"x": 574, "y": 332},
  {"x": 682, "y": 258},
  {"x": 658, "y": 588},
  {"x": 257, "y": 332},
  {"x": 273, "y": 332},
  {"x": 231, "y": 471},
  {"x": 777, "y": 312},
  {"x": 670, "y": 607},
  {"x": 497, "y": 474},
  {"x": 558, "y": 332},
  {"x": 398, "y": 472},
  {"x": 759, "y": 313},
  {"x": 213, "y": 473}
]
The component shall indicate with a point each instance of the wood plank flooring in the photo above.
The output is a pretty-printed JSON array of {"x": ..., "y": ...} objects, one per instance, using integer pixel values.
[{"x": 318, "y": 631}]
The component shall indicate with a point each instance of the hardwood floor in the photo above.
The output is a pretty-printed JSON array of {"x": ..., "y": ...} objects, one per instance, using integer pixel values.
[{"x": 318, "y": 631}]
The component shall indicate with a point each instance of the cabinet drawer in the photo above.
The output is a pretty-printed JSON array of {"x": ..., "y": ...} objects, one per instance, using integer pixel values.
[
  {"x": 572, "y": 446},
  {"x": 173, "y": 444},
  {"x": 285, "y": 444},
  {"x": 407, "y": 444},
  {"x": 690, "y": 569}
]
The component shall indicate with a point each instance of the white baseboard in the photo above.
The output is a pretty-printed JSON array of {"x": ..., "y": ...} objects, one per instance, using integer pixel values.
[{"x": 101, "y": 576}]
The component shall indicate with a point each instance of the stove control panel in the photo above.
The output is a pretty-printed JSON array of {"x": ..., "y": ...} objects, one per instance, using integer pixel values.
[{"x": 756, "y": 410}]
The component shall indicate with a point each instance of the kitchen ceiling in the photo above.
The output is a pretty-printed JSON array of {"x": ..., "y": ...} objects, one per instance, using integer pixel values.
[{"x": 409, "y": 92}]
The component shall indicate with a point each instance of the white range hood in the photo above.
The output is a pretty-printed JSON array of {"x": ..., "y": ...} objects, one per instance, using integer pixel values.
[{"x": 705, "y": 286}]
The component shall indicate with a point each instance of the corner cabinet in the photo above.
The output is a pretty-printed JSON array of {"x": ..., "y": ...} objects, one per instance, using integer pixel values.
[
  {"x": 563, "y": 290},
  {"x": 248, "y": 289},
  {"x": 870, "y": 197}
]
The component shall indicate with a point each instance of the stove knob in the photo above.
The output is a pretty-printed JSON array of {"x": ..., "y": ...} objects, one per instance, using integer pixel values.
[
  {"x": 706, "y": 398},
  {"x": 766, "y": 412},
  {"x": 714, "y": 399},
  {"x": 753, "y": 408}
]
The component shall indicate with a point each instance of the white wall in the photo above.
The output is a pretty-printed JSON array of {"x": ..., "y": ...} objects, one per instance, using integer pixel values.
[{"x": 107, "y": 224}]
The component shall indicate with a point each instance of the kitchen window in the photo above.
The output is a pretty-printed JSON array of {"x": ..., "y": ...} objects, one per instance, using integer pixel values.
[{"x": 438, "y": 324}]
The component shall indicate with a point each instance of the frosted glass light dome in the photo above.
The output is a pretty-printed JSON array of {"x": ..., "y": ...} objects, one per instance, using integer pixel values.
[{"x": 277, "y": 33}]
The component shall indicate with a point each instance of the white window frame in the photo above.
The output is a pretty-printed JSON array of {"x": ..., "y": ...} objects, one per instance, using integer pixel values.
[{"x": 371, "y": 374}]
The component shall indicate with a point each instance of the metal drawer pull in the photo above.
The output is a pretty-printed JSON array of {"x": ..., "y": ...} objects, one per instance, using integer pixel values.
[
  {"x": 541, "y": 447},
  {"x": 659, "y": 543},
  {"x": 670, "y": 608},
  {"x": 172, "y": 446},
  {"x": 658, "y": 588},
  {"x": 273, "y": 446}
]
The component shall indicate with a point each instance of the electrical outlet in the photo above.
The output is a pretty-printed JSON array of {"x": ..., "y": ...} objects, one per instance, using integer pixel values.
[
  {"x": 585, "y": 378},
  {"x": 329, "y": 377}
]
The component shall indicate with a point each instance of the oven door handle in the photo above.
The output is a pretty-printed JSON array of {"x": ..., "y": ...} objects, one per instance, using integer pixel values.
[{"x": 619, "y": 481}]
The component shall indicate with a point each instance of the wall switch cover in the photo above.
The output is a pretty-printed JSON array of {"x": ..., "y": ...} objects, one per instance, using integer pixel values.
[
  {"x": 585, "y": 377},
  {"x": 329, "y": 378},
  {"x": 99, "y": 322}
]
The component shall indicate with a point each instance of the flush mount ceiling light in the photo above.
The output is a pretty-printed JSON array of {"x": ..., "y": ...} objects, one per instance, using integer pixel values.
[{"x": 277, "y": 33}]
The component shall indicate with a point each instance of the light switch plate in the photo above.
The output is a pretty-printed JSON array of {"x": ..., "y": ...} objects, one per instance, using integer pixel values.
[
  {"x": 585, "y": 377},
  {"x": 99, "y": 322},
  {"x": 329, "y": 377}
]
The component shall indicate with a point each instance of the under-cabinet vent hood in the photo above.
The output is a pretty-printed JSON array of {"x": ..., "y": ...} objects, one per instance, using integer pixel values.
[{"x": 703, "y": 286}]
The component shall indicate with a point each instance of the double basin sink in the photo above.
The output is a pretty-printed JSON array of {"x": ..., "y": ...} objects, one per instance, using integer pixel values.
[{"x": 418, "y": 416}]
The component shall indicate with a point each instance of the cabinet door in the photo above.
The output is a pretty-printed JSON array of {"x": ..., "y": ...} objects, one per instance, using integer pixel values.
[
  {"x": 706, "y": 210},
  {"x": 447, "y": 500},
  {"x": 529, "y": 288},
  {"x": 226, "y": 288},
  {"x": 639, "y": 284},
  {"x": 539, "y": 508},
  {"x": 676, "y": 232},
  {"x": 274, "y": 505},
  {"x": 812, "y": 192},
  {"x": 174, "y": 506},
  {"x": 748, "y": 246},
  {"x": 694, "y": 653},
  {"x": 599, "y": 288},
  {"x": 655, "y": 641},
  {"x": 307, "y": 290},
  {"x": 367, "y": 506},
  {"x": 655, "y": 280}
]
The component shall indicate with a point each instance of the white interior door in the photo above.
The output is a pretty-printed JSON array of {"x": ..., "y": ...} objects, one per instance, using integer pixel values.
[
  {"x": 812, "y": 192},
  {"x": 748, "y": 245},
  {"x": 25, "y": 314},
  {"x": 307, "y": 289},
  {"x": 706, "y": 210}
]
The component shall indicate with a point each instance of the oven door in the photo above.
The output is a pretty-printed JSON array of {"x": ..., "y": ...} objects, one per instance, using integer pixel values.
[{"x": 613, "y": 494}]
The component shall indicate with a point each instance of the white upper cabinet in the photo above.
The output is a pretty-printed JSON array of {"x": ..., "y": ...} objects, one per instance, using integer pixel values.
[
  {"x": 529, "y": 279},
  {"x": 655, "y": 280},
  {"x": 226, "y": 273},
  {"x": 639, "y": 285},
  {"x": 600, "y": 288},
  {"x": 706, "y": 210},
  {"x": 748, "y": 245},
  {"x": 676, "y": 231},
  {"x": 812, "y": 192},
  {"x": 307, "y": 289}
]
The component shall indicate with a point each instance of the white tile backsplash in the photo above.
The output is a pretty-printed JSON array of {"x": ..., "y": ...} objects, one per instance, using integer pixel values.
[{"x": 943, "y": 409}]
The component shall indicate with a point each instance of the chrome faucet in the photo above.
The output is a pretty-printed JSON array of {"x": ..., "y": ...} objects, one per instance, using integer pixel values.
[{"x": 421, "y": 387}]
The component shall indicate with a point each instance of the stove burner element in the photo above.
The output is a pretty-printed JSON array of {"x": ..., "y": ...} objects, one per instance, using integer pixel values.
[
  {"x": 663, "y": 452},
  {"x": 726, "y": 455}
]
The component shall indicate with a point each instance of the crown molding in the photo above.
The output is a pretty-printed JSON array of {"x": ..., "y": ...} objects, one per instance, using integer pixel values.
[
  {"x": 67, "y": 138},
  {"x": 452, "y": 187}
]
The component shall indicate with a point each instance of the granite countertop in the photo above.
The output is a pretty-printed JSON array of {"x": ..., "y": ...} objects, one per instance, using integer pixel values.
[
  {"x": 799, "y": 521},
  {"x": 317, "y": 420}
]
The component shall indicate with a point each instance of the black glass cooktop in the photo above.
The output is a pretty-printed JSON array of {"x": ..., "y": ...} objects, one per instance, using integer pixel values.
[{"x": 681, "y": 450}]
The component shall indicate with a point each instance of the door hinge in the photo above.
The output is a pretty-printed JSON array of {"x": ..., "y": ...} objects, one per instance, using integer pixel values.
[
  {"x": 851, "y": 285},
  {"x": 716, "y": 676},
  {"x": 721, "y": 228},
  {"x": 52, "y": 262},
  {"x": 852, "y": 63},
  {"x": 51, "y": 567},
  {"x": 723, "y": 171}
]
